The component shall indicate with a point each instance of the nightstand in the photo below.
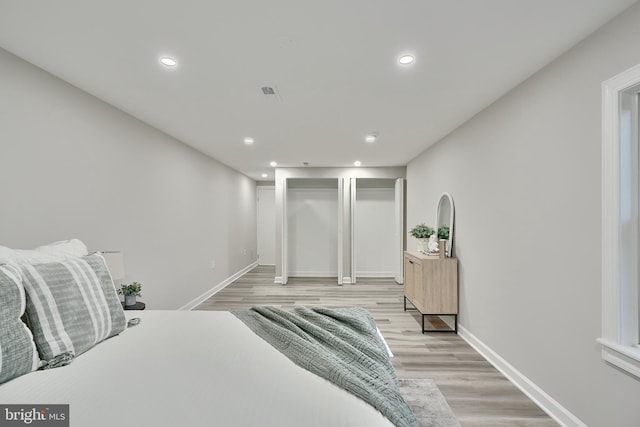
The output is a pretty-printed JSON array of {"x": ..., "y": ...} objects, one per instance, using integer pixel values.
[{"x": 138, "y": 306}]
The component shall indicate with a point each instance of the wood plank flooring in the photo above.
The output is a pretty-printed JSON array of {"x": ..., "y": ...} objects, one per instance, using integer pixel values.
[{"x": 478, "y": 394}]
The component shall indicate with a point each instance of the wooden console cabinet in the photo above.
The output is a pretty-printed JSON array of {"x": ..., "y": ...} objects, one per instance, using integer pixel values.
[{"x": 431, "y": 286}]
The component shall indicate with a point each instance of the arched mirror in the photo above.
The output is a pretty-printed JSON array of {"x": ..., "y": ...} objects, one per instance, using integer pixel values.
[{"x": 444, "y": 221}]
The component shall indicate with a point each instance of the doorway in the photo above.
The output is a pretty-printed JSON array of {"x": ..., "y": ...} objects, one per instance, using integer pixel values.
[
  {"x": 377, "y": 228},
  {"x": 313, "y": 211}
]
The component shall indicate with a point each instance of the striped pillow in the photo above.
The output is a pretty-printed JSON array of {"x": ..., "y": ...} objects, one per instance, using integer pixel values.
[
  {"x": 18, "y": 354},
  {"x": 71, "y": 306}
]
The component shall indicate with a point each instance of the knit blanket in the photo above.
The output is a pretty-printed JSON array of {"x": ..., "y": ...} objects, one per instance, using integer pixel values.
[{"x": 339, "y": 345}]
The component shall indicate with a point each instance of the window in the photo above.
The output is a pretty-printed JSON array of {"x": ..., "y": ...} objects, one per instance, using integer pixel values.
[{"x": 620, "y": 221}]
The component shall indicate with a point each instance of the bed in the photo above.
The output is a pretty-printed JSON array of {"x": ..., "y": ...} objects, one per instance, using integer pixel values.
[
  {"x": 190, "y": 368},
  {"x": 172, "y": 368}
]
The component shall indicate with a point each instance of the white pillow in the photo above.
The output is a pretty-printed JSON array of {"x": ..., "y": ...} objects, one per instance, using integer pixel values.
[
  {"x": 57, "y": 251},
  {"x": 23, "y": 256},
  {"x": 73, "y": 248}
]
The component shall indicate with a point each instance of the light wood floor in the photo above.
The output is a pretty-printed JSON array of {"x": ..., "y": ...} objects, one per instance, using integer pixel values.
[{"x": 478, "y": 394}]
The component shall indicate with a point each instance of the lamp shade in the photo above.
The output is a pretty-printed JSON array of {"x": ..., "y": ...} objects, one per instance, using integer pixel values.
[{"x": 115, "y": 264}]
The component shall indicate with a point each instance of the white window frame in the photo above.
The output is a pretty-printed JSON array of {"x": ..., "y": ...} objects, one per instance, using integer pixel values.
[{"x": 620, "y": 329}]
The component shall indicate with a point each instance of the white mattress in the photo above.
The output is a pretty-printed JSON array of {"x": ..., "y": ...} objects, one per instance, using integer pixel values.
[{"x": 190, "y": 368}]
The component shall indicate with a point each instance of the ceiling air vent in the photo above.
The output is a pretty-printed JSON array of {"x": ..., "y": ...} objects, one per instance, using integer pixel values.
[{"x": 271, "y": 94}]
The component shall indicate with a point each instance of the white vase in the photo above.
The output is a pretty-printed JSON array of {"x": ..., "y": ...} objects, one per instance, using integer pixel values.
[
  {"x": 129, "y": 300},
  {"x": 423, "y": 245},
  {"x": 442, "y": 248}
]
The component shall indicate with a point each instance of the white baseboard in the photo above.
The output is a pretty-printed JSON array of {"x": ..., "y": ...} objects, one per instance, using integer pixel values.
[
  {"x": 278, "y": 279},
  {"x": 196, "y": 301},
  {"x": 383, "y": 274},
  {"x": 528, "y": 387},
  {"x": 346, "y": 280},
  {"x": 313, "y": 274}
]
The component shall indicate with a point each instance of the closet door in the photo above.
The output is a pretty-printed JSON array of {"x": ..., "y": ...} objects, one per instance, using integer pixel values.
[
  {"x": 312, "y": 241},
  {"x": 285, "y": 234},
  {"x": 354, "y": 190},
  {"x": 399, "y": 230},
  {"x": 374, "y": 228},
  {"x": 340, "y": 229}
]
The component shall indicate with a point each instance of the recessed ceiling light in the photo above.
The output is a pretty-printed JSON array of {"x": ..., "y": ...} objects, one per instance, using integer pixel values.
[
  {"x": 273, "y": 164},
  {"x": 248, "y": 140},
  {"x": 406, "y": 59},
  {"x": 169, "y": 62},
  {"x": 264, "y": 175},
  {"x": 371, "y": 138},
  {"x": 357, "y": 163}
]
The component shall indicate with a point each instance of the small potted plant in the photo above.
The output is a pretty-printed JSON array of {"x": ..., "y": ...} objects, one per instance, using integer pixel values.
[
  {"x": 422, "y": 232},
  {"x": 130, "y": 293},
  {"x": 443, "y": 232},
  {"x": 443, "y": 240}
]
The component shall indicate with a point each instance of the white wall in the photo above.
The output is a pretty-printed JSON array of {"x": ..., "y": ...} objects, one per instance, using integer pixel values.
[
  {"x": 374, "y": 231},
  {"x": 529, "y": 276},
  {"x": 73, "y": 166},
  {"x": 312, "y": 232}
]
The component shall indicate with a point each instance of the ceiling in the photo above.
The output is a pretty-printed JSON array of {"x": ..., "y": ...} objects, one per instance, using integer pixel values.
[{"x": 333, "y": 63}]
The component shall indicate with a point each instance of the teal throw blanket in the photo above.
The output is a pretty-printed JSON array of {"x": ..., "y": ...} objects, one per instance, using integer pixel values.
[{"x": 340, "y": 345}]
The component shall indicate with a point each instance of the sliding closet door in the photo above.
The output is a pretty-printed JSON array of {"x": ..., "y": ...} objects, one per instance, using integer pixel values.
[
  {"x": 374, "y": 228},
  {"x": 312, "y": 227},
  {"x": 399, "y": 231},
  {"x": 353, "y": 195},
  {"x": 340, "y": 228},
  {"x": 285, "y": 234}
]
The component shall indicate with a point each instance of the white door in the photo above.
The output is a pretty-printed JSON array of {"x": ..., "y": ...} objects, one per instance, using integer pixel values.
[
  {"x": 340, "y": 230},
  {"x": 399, "y": 231},
  {"x": 374, "y": 228},
  {"x": 266, "y": 225},
  {"x": 285, "y": 233},
  {"x": 353, "y": 228},
  {"x": 312, "y": 230}
]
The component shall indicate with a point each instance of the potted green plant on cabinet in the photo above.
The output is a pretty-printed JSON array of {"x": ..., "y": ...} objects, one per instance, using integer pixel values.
[
  {"x": 443, "y": 239},
  {"x": 422, "y": 232}
]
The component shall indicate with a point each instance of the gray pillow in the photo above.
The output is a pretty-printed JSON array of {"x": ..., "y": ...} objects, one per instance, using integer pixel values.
[
  {"x": 18, "y": 354},
  {"x": 71, "y": 306}
]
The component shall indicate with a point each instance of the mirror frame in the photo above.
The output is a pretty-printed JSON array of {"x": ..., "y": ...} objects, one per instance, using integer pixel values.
[{"x": 446, "y": 196}]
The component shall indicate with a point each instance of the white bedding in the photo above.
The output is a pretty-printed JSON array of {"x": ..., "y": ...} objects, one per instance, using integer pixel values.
[{"x": 190, "y": 368}]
